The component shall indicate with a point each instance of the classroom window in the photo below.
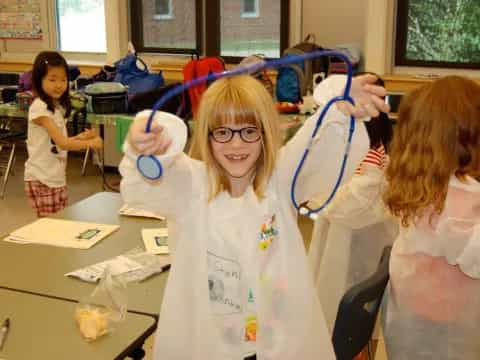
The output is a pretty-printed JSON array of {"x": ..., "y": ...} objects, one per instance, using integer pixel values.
[
  {"x": 438, "y": 33},
  {"x": 163, "y": 9},
  {"x": 234, "y": 36},
  {"x": 81, "y": 26},
  {"x": 224, "y": 26},
  {"x": 166, "y": 26},
  {"x": 250, "y": 8}
]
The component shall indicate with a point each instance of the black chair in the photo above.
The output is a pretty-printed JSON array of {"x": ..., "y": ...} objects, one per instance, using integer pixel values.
[{"x": 357, "y": 312}]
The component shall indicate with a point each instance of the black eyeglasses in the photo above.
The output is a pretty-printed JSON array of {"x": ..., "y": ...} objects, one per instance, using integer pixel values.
[
  {"x": 53, "y": 149},
  {"x": 249, "y": 134}
]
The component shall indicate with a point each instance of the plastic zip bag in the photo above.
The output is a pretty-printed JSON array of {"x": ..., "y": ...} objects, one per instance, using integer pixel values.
[
  {"x": 134, "y": 265},
  {"x": 101, "y": 312},
  {"x": 151, "y": 265}
]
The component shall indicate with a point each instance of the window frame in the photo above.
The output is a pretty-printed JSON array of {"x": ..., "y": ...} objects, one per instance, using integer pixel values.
[
  {"x": 401, "y": 30},
  {"x": 136, "y": 23},
  {"x": 213, "y": 35}
]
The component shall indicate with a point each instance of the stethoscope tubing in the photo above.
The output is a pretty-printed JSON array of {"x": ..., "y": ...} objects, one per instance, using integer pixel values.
[{"x": 272, "y": 64}]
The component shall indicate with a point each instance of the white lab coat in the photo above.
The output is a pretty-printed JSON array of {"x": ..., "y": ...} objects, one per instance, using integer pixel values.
[
  {"x": 290, "y": 321},
  {"x": 432, "y": 308},
  {"x": 348, "y": 238}
]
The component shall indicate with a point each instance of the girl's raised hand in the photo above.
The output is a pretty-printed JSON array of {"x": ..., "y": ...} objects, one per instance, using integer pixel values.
[
  {"x": 154, "y": 142},
  {"x": 368, "y": 98}
]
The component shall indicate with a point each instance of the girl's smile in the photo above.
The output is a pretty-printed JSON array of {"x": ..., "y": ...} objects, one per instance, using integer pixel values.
[{"x": 237, "y": 157}]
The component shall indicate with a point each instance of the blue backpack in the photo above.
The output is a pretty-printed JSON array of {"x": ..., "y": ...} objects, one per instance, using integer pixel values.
[
  {"x": 137, "y": 79},
  {"x": 291, "y": 84},
  {"x": 296, "y": 79}
]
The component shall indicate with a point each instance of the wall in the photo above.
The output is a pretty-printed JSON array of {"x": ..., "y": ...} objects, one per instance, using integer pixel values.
[
  {"x": 335, "y": 22},
  {"x": 22, "y": 50}
]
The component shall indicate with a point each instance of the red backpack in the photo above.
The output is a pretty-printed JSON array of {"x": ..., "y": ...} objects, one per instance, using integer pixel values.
[{"x": 197, "y": 68}]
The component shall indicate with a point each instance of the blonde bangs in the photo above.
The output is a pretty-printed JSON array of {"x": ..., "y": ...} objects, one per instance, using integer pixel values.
[
  {"x": 233, "y": 109},
  {"x": 437, "y": 135},
  {"x": 239, "y": 100}
]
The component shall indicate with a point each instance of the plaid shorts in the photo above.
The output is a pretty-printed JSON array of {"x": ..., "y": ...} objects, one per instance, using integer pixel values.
[{"x": 46, "y": 200}]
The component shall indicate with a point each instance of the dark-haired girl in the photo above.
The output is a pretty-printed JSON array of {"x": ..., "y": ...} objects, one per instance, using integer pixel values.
[{"x": 48, "y": 142}]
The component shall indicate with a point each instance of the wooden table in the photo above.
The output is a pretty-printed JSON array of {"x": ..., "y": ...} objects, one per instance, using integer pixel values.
[
  {"x": 45, "y": 328},
  {"x": 40, "y": 269}
]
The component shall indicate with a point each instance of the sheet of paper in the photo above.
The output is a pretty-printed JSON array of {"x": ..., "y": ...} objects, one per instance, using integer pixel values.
[
  {"x": 156, "y": 240},
  {"x": 129, "y": 211},
  {"x": 118, "y": 266},
  {"x": 63, "y": 233}
]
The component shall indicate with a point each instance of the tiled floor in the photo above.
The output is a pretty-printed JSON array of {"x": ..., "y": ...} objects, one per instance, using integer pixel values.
[{"x": 15, "y": 211}]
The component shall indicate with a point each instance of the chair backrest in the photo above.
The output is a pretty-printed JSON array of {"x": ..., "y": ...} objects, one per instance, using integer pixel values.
[{"x": 357, "y": 312}]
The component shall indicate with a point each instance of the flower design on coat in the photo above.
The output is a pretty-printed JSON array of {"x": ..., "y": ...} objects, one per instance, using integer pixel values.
[
  {"x": 268, "y": 232},
  {"x": 251, "y": 328}
]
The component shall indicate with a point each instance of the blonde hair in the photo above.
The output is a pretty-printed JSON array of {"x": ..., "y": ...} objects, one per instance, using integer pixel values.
[
  {"x": 236, "y": 100},
  {"x": 437, "y": 135}
]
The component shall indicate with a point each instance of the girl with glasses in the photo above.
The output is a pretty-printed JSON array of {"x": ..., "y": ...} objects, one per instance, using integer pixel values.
[
  {"x": 240, "y": 287},
  {"x": 47, "y": 140}
]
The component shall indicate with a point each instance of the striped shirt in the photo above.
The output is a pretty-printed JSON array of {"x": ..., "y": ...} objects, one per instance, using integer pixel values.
[{"x": 375, "y": 157}]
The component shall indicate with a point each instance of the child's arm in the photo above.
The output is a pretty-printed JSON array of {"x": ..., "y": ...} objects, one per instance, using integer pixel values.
[
  {"x": 359, "y": 202},
  {"x": 64, "y": 142},
  {"x": 87, "y": 134},
  {"x": 172, "y": 192},
  {"x": 321, "y": 169}
]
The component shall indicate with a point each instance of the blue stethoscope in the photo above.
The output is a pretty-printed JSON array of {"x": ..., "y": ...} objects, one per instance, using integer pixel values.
[{"x": 151, "y": 168}]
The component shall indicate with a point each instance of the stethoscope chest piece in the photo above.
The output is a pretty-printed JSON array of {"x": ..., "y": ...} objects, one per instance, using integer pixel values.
[{"x": 150, "y": 167}]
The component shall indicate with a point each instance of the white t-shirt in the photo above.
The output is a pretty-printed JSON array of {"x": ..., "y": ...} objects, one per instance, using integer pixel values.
[{"x": 42, "y": 164}]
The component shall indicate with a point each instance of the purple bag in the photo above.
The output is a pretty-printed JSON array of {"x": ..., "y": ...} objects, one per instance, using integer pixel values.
[{"x": 25, "y": 82}]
